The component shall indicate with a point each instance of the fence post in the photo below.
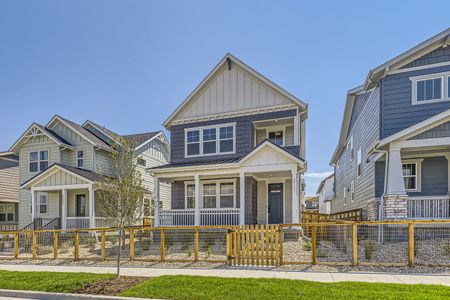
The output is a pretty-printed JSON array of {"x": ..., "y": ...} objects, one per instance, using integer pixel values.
[
  {"x": 76, "y": 244},
  {"x": 411, "y": 244},
  {"x": 103, "y": 245},
  {"x": 34, "y": 245},
  {"x": 196, "y": 244},
  {"x": 55, "y": 245},
  {"x": 16, "y": 245},
  {"x": 280, "y": 239},
  {"x": 163, "y": 246},
  {"x": 131, "y": 244},
  {"x": 314, "y": 244},
  {"x": 355, "y": 243}
]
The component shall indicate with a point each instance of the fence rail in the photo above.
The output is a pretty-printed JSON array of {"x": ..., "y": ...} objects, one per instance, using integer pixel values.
[
  {"x": 381, "y": 243},
  {"x": 428, "y": 207}
]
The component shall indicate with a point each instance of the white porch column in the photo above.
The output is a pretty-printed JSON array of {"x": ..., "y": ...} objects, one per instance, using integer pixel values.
[
  {"x": 156, "y": 195},
  {"x": 63, "y": 208},
  {"x": 296, "y": 129},
  {"x": 91, "y": 207},
  {"x": 241, "y": 198},
  {"x": 395, "y": 184},
  {"x": 197, "y": 199},
  {"x": 295, "y": 204},
  {"x": 33, "y": 205}
]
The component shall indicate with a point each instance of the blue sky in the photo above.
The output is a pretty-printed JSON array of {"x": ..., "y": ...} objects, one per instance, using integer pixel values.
[{"x": 128, "y": 64}]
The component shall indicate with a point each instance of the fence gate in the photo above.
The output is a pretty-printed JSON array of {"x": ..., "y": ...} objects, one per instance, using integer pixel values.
[{"x": 255, "y": 245}]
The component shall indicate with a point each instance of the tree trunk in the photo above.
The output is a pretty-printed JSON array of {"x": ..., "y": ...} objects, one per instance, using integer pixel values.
[{"x": 119, "y": 252}]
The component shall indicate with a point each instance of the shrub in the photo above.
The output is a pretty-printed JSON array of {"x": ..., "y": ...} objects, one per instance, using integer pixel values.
[
  {"x": 65, "y": 247},
  {"x": 91, "y": 242},
  {"x": 113, "y": 240},
  {"x": 189, "y": 252},
  {"x": 447, "y": 248},
  {"x": 307, "y": 246},
  {"x": 42, "y": 249},
  {"x": 369, "y": 249},
  {"x": 208, "y": 251}
]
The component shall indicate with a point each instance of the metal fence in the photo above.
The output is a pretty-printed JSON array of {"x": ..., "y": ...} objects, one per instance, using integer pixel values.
[{"x": 339, "y": 243}]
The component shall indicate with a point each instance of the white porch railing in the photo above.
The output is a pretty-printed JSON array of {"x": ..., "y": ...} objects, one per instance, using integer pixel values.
[
  {"x": 432, "y": 207},
  {"x": 219, "y": 217},
  {"x": 77, "y": 222},
  {"x": 100, "y": 222},
  {"x": 176, "y": 217}
]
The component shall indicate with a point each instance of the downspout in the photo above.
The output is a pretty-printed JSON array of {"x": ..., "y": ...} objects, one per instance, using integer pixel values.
[{"x": 380, "y": 211}]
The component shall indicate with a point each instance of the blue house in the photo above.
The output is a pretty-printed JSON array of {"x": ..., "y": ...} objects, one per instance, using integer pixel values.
[{"x": 393, "y": 155}]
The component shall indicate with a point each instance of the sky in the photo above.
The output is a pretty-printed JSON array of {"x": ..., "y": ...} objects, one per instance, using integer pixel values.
[{"x": 128, "y": 64}]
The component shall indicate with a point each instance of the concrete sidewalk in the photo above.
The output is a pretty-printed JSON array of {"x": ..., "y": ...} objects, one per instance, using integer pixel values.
[{"x": 237, "y": 273}]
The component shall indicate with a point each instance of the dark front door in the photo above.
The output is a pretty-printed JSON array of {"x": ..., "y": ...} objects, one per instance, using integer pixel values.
[
  {"x": 275, "y": 203},
  {"x": 81, "y": 205}
]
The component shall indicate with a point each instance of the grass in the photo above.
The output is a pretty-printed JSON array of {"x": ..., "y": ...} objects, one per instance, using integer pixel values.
[
  {"x": 48, "y": 281},
  {"x": 192, "y": 287}
]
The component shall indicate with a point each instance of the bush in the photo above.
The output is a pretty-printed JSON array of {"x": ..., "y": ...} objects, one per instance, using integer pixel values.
[
  {"x": 307, "y": 246},
  {"x": 369, "y": 249},
  {"x": 447, "y": 248},
  {"x": 65, "y": 247},
  {"x": 113, "y": 240},
  {"x": 91, "y": 242},
  {"x": 43, "y": 249}
]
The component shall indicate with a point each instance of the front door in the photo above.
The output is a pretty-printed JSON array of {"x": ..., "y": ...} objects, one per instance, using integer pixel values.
[
  {"x": 275, "y": 201},
  {"x": 81, "y": 205}
]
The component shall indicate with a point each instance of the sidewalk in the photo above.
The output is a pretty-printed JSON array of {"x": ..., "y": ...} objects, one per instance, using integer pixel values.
[{"x": 235, "y": 273}]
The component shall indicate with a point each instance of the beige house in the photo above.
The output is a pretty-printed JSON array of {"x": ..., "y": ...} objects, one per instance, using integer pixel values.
[
  {"x": 60, "y": 163},
  {"x": 9, "y": 190}
]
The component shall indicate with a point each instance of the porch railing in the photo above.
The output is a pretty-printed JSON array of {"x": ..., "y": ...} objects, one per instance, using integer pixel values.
[
  {"x": 219, "y": 217},
  {"x": 176, "y": 217},
  {"x": 77, "y": 222},
  {"x": 432, "y": 207},
  {"x": 8, "y": 226}
]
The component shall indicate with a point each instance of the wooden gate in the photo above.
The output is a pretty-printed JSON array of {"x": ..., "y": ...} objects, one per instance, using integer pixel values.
[{"x": 255, "y": 245}]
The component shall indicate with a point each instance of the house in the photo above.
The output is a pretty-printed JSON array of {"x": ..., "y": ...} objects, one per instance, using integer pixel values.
[
  {"x": 9, "y": 190},
  {"x": 60, "y": 164},
  {"x": 393, "y": 158},
  {"x": 238, "y": 151},
  {"x": 325, "y": 191},
  {"x": 311, "y": 204}
]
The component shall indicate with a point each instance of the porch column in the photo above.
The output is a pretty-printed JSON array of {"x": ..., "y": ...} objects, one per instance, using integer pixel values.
[
  {"x": 156, "y": 196},
  {"x": 295, "y": 204},
  {"x": 241, "y": 198},
  {"x": 197, "y": 199},
  {"x": 91, "y": 207},
  {"x": 63, "y": 208},
  {"x": 33, "y": 205},
  {"x": 395, "y": 183}
]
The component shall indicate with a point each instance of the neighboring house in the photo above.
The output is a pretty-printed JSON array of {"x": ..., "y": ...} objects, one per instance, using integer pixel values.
[
  {"x": 60, "y": 164},
  {"x": 393, "y": 158},
  {"x": 325, "y": 191},
  {"x": 311, "y": 204},
  {"x": 238, "y": 151},
  {"x": 9, "y": 190}
]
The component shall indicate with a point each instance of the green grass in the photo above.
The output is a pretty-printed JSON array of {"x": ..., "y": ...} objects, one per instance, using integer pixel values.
[
  {"x": 192, "y": 287},
  {"x": 48, "y": 281}
]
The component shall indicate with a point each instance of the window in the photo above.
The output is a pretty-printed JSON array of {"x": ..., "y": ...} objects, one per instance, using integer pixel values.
[
  {"x": 7, "y": 212},
  {"x": 149, "y": 207},
  {"x": 410, "y": 176},
  {"x": 358, "y": 165},
  {"x": 211, "y": 140},
  {"x": 209, "y": 195},
  {"x": 142, "y": 162},
  {"x": 350, "y": 147},
  {"x": 352, "y": 191},
  {"x": 38, "y": 161},
  {"x": 80, "y": 158},
  {"x": 276, "y": 137},
  {"x": 190, "y": 196},
  {"x": 226, "y": 195},
  {"x": 81, "y": 205},
  {"x": 429, "y": 89},
  {"x": 43, "y": 203},
  {"x": 337, "y": 164},
  {"x": 345, "y": 194}
]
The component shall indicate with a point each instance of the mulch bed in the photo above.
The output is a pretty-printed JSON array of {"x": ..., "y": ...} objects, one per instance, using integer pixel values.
[{"x": 111, "y": 287}]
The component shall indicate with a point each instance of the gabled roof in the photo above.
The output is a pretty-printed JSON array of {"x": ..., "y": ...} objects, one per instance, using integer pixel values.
[
  {"x": 322, "y": 183},
  {"x": 228, "y": 59},
  {"x": 140, "y": 138},
  {"x": 109, "y": 133}
]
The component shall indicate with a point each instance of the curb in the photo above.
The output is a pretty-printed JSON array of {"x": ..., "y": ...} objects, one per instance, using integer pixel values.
[{"x": 58, "y": 296}]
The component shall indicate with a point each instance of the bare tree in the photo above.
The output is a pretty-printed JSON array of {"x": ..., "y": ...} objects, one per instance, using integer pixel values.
[{"x": 121, "y": 192}]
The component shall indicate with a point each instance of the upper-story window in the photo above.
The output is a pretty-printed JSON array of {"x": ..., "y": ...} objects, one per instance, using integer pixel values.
[
  {"x": 358, "y": 163},
  {"x": 80, "y": 158},
  {"x": 430, "y": 88},
  {"x": 276, "y": 136},
  {"x": 350, "y": 147},
  {"x": 210, "y": 140},
  {"x": 38, "y": 161},
  {"x": 141, "y": 162}
]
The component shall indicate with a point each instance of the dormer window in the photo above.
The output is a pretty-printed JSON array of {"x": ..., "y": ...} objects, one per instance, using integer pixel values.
[
  {"x": 210, "y": 140},
  {"x": 430, "y": 88}
]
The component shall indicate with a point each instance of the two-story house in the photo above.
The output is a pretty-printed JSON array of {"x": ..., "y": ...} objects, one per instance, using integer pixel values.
[
  {"x": 393, "y": 156},
  {"x": 325, "y": 191},
  {"x": 9, "y": 190},
  {"x": 60, "y": 164},
  {"x": 238, "y": 151}
]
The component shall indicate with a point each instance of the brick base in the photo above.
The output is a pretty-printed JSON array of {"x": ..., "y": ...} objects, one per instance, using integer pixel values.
[{"x": 395, "y": 207}]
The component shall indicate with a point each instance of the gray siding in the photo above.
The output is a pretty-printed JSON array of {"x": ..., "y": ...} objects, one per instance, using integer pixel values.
[
  {"x": 365, "y": 132},
  {"x": 442, "y": 130},
  {"x": 358, "y": 107},
  {"x": 250, "y": 200},
  {"x": 397, "y": 111},
  {"x": 437, "y": 56},
  {"x": 379, "y": 178},
  {"x": 9, "y": 180},
  {"x": 244, "y": 135}
]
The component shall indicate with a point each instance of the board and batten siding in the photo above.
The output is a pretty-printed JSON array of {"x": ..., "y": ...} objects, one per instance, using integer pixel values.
[
  {"x": 230, "y": 91},
  {"x": 365, "y": 132}
]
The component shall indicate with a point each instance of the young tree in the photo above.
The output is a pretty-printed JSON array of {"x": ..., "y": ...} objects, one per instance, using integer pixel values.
[{"x": 121, "y": 193}]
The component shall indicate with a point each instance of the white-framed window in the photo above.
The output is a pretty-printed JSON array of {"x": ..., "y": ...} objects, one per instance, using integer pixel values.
[
  {"x": 37, "y": 161},
  {"x": 358, "y": 162},
  {"x": 217, "y": 194},
  {"x": 141, "y": 162},
  {"x": 226, "y": 195},
  {"x": 352, "y": 191},
  {"x": 7, "y": 212},
  {"x": 80, "y": 158},
  {"x": 190, "y": 196},
  {"x": 411, "y": 175},
  {"x": 276, "y": 136},
  {"x": 350, "y": 147},
  {"x": 43, "y": 203},
  {"x": 209, "y": 195},
  {"x": 210, "y": 140},
  {"x": 345, "y": 194},
  {"x": 430, "y": 88}
]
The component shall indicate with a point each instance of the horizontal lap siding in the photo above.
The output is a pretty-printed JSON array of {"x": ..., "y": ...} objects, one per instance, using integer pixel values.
[{"x": 9, "y": 180}]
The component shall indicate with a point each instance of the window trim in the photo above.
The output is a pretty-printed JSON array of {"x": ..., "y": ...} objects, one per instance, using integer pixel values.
[
  {"x": 275, "y": 129},
  {"x": 359, "y": 162},
  {"x": 141, "y": 159},
  {"x": 38, "y": 196},
  {"x": 217, "y": 182},
  {"x": 5, "y": 205},
  {"x": 352, "y": 191},
  {"x": 200, "y": 129},
  {"x": 38, "y": 160},
  {"x": 186, "y": 183},
  {"x": 444, "y": 87},
  {"x": 86, "y": 209},
  {"x": 418, "y": 163},
  {"x": 76, "y": 157}
]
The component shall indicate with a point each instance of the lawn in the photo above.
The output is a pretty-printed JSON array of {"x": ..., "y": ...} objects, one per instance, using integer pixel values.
[
  {"x": 190, "y": 287},
  {"x": 48, "y": 281}
]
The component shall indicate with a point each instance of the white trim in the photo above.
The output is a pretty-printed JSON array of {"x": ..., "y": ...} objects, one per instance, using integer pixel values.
[
  {"x": 5, "y": 205},
  {"x": 424, "y": 67},
  {"x": 61, "y": 187},
  {"x": 39, "y": 194},
  {"x": 38, "y": 161},
  {"x": 83, "y": 158},
  {"x": 418, "y": 176},
  {"x": 274, "y": 129},
  {"x": 276, "y": 148},
  {"x": 433, "y": 142},
  {"x": 444, "y": 88},
  {"x": 186, "y": 183},
  {"x": 359, "y": 162},
  {"x": 352, "y": 191},
  {"x": 200, "y": 129},
  {"x": 275, "y": 181},
  {"x": 53, "y": 169},
  {"x": 217, "y": 183}
]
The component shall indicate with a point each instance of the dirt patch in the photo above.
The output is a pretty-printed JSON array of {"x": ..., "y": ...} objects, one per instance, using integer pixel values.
[{"x": 111, "y": 287}]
